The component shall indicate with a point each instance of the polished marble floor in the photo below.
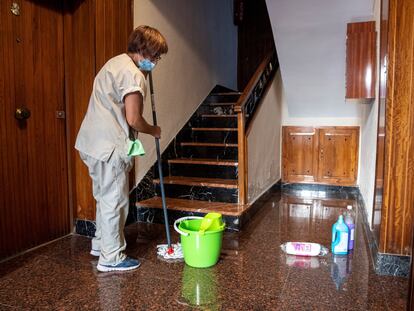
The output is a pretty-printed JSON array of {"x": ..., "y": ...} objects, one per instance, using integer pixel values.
[{"x": 252, "y": 274}]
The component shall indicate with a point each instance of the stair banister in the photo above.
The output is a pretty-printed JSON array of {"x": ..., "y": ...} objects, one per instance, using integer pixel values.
[{"x": 245, "y": 108}]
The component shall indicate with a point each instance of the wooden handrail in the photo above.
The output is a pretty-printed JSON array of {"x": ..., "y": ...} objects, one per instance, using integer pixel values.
[
  {"x": 243, "y": 104},
  {"x": 238, "y": 107}
]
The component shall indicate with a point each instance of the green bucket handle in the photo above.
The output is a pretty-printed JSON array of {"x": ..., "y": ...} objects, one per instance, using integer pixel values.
[{"x": 182, "y": 219}]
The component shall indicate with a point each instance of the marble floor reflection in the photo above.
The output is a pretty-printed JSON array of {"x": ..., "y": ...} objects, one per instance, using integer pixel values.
[{"x": 253, "y": 273}]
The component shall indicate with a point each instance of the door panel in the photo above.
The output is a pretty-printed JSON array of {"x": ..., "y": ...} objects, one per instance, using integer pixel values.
[
  {"x": 299, "y": 154},
  {"x": 33, "y": 167},
  {"x": 338, "y": 155}
]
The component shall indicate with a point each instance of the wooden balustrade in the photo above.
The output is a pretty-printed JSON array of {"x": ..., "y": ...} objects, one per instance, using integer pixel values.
[{"x": 245, "y": 109}]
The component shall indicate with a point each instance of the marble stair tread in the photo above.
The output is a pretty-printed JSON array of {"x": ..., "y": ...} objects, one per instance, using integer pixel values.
[
  {"x": 208, "y": 144},
  {"x": 230, "y": 209},
  {"x": 215, "y": 129},
  {"x": 199, "y": 181},
  {"x": 204, "y": 161}
]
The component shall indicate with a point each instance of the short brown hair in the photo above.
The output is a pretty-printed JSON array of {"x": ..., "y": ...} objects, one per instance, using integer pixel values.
[{"x": 147, "y": 41}]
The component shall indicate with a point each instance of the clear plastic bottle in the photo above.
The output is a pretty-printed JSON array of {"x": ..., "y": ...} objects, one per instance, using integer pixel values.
[{"x": 349, "y": 217}]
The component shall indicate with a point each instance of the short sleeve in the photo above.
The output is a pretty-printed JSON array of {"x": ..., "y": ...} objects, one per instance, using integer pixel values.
[{"x": 131, "y": 81}]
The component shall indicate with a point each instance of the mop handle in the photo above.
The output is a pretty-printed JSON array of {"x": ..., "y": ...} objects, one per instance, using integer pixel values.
[{"x": 157, "y": 145}]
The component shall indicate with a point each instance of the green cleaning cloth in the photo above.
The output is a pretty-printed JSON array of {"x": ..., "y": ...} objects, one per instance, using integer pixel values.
[{"x": 135, "y": 148}]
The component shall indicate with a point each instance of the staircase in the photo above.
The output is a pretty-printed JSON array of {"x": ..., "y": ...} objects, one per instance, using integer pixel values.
[
  {"x": 200, "y": 166},
  {"x": 205, "y": 167}
]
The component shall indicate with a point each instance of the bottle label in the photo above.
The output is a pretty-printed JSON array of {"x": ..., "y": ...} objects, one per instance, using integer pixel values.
[
  {"x": 352, "y": 234},
  {"x": 342, "y": 246}
]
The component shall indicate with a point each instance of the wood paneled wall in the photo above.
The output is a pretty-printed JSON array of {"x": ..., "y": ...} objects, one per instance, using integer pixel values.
[
  {"x": 398, "y": 193},
  {"x": 95, "y": 30}
]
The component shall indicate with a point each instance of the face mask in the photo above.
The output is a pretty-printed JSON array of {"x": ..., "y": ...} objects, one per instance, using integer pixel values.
[{"x": 146, "y": 65}]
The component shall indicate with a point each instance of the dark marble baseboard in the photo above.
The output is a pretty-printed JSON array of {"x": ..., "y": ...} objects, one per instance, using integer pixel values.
[
  {"x": 388, "y": 264},
  {"x": 155, "y": 215},
  {"x": 233, "y": 223},
  {"x": 384, "y": 264},
  {"x": 87, "y": 227},
  {"x": 322, "y": 191}
]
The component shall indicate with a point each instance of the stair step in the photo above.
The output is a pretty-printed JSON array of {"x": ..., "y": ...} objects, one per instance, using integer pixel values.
[
  {"x": 211, "y": 120},
  {"x": 230, "y": 209},
  {"x": 221, "y": 104},
  {"x": 215, "y": 129},
  {"x": 219, "y": 116},
  {"x": 199, "y": 181},
  {"x": 208, "y": 144},
  {"x": 225, "y": 93},
  {"x": 209, "y": 152},
  {"x": 223, "y": 97},
  {"x": 203, "y": 161}
]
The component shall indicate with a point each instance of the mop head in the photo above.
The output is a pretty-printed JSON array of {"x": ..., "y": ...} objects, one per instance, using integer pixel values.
[{"x": 175, "y": 255}]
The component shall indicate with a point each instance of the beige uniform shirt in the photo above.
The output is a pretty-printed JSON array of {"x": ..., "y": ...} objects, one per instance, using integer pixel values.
[{"x": 104, "y": 127}]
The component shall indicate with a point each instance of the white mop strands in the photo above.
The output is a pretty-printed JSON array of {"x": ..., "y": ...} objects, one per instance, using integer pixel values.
[{"x": 162, "y": 251}]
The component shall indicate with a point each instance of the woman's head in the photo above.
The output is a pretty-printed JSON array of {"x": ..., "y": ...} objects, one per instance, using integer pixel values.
[{"x": 148, "y": 42}]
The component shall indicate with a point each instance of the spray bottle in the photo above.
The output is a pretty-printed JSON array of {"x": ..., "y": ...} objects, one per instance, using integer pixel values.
[
  {"x": 340, "y": 234},
  {"x": 350, "y": 222}
]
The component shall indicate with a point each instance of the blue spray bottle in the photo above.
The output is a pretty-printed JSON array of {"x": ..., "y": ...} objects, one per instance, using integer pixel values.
[{"x": 340, "y": 233}]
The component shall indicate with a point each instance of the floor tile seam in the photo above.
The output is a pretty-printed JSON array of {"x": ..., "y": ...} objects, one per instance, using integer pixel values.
[{"x": 282, "y": 292}]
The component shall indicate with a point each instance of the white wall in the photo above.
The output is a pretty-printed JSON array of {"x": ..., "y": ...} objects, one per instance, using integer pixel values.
[
  {"x": 202, "y": 43},
  {"x": 369, "y": 127},
  {"x": 310, "y": 38},
  {"x": 264, "y": 142}
]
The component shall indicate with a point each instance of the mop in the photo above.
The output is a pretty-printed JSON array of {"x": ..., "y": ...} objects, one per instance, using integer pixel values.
[{"x": 165, "y": 251}]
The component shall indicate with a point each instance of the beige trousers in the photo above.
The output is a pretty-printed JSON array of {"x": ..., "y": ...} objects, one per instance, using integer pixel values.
[{"x": 111, "y": 192}]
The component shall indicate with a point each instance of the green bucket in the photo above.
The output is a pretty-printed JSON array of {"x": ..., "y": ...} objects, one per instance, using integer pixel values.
[{"x": 201, "y": 249}]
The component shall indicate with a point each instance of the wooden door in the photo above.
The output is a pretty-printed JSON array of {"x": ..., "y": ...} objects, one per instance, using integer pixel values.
[
  {"x": 33, "y": 166},
  {"x": 338, "y": 155},
  {"x": 300, "y": 154}
]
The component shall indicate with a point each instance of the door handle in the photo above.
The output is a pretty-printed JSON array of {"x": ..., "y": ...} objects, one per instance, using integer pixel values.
[{"x": 22, "y": 113}]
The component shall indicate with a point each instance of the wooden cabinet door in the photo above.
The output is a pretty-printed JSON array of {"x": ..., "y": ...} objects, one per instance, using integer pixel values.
[
  {"x": 338, "y": 155},
  {"x": 300, "y": 154},
  {"x": 33, "y": 163},
  {"x": 360, "y": 60}
]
